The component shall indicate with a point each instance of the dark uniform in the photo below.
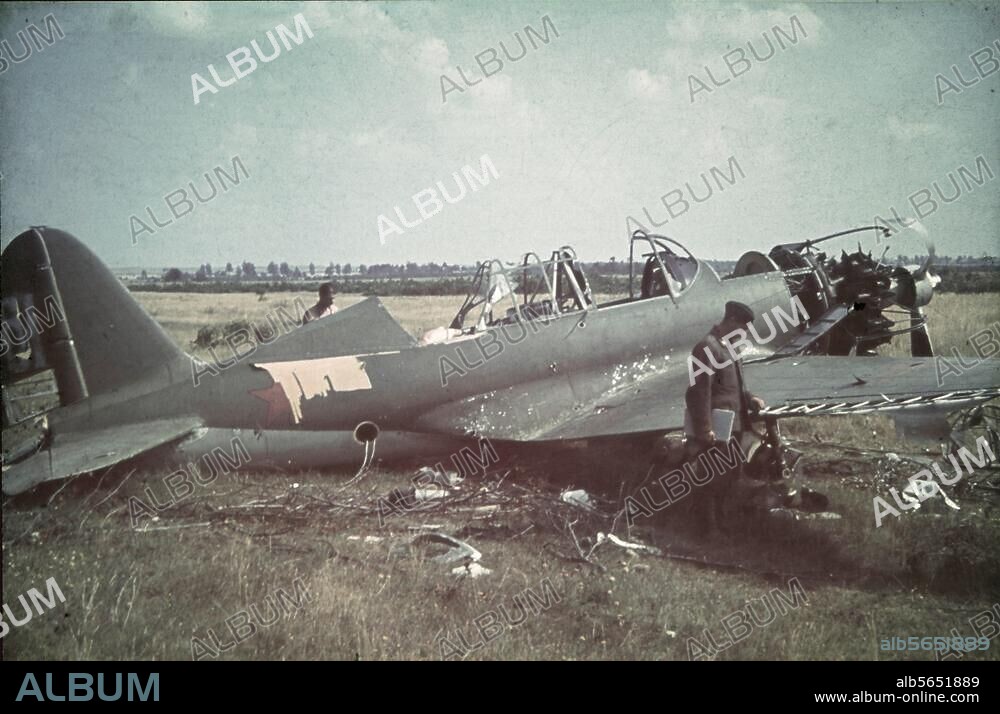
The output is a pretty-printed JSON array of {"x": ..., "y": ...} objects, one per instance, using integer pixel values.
[
  {"x": 324, "y": 307},
  {"x": 722, "y": 389}
]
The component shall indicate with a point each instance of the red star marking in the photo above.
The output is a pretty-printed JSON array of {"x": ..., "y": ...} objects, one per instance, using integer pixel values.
[{"x": 277, "y": 404}]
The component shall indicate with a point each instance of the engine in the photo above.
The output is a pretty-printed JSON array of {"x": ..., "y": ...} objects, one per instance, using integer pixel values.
[{"x": 858, "y": 302}]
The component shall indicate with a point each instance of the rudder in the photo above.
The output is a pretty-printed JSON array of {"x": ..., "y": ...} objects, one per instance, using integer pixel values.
[{"x": 93, "y": 334}]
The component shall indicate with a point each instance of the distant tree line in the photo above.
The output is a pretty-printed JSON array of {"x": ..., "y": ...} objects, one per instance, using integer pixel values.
[
  {"x": 963, "y": 274},
  {"x": 247, "y": 271},
  {"x": 963, "y": 280},
  {"x": 283, "y": 271}
]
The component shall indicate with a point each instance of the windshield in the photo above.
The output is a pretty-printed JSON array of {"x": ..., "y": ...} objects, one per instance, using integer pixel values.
[{"x": 527, "y": 290}]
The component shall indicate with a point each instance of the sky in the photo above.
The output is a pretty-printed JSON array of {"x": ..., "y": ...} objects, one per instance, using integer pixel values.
[{"x": 588, "y": 128}]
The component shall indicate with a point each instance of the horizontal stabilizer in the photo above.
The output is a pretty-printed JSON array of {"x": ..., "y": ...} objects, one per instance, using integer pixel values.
[
  {"x": 362, "y": 328},
  {"x": 80, "y": 452}
]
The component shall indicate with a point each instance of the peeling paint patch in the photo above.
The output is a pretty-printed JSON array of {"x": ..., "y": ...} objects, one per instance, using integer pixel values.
[{"x": 307, "y": 379}]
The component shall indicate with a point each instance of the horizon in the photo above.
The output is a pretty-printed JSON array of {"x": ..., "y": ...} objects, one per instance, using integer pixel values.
[{"x": 302, "y": 266}]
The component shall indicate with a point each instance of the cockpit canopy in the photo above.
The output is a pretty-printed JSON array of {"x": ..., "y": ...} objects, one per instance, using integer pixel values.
[
  {"x": 666, "y": 271},
  {"x": 531, "y": 289}
]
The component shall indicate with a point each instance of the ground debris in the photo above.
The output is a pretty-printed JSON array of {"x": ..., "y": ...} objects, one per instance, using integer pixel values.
[
  {"x": 449, "y": 549},
  {"x": 456, "y": 550},
  {"x": 633, "y": 547},
  {"x": 579, "y": 498},
  {"x": 789, "y": 514}
]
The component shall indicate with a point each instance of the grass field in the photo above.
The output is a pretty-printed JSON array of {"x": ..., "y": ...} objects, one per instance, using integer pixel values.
[{"x": 372, "y": 593}]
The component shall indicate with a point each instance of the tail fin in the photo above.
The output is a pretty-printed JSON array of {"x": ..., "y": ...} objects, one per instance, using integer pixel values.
[{"x": 92, "y": 333}]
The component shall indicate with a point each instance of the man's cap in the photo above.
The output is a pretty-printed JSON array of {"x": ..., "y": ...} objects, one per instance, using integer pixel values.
[{"x": 739, "y": 312}]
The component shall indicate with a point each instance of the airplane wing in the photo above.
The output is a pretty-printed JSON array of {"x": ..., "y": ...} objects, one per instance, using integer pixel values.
[
  {"x": 791, "y": 387},
  {"x": 79, "y": 452},
  {"x": 655, "y": 403},
  {"x": 814, "y": 385}
]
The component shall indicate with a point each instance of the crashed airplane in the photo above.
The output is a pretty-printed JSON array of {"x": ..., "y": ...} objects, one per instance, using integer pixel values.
[{"x": 529, "y": 358}]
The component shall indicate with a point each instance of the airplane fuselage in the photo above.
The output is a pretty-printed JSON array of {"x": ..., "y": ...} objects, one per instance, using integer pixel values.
[{"x": 463, "y": 387}]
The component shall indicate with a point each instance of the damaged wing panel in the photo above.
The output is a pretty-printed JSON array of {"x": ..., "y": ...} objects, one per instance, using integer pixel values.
[
  {"x": 794, "y": 386},
  {"x": 816, "y": 385}
]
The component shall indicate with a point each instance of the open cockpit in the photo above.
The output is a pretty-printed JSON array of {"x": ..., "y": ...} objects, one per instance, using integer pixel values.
[{"x": 535, "y": 289}]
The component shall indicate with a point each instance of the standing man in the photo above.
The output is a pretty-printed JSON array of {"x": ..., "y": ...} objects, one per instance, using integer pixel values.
[
  {"x": 720, "y": 387},
  {"x": 324, "y": 307}
]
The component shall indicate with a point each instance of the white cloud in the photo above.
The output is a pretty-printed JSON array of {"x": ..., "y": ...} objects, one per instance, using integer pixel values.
[
  {"x": 494, "y": 105},
  {"x": 176, "y": 18},
  {"x": 738, "y": 23},
  {"x": 699, "y": 38},
  {"x": 493, "y": 90},
  {"x": 432, "y": 55},
  {"x": 243, "y": 134},
  {"x": 131, "y": 74},
  {"x": 909, "y": 130},
  {"x": 239, "y": 139},
  {"x": 645, "y": 84},
  {"x": 767, "y": 105},
  {"x": 384, "y": 145},
  {"x": 366, "y": 138},
  {"x": 358, "y": 20},
  {"x": 310, "y": 143},
  {"x": 370, "y": 26}
]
